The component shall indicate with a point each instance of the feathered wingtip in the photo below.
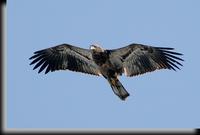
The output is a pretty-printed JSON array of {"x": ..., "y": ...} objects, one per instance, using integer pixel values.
[
  {"x": 171, "y": 57},
  {"x": 40, "y": 58}
]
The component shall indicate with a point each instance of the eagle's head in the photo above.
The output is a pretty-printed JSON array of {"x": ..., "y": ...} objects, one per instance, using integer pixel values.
[{"x": 96, "y": 48}]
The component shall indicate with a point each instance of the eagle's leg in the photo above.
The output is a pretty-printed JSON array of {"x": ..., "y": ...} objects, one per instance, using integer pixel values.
[{"x": 118, "y": 88}]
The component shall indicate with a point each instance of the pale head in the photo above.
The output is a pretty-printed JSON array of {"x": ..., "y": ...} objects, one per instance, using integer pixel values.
[{"x": 96, "y": 47}]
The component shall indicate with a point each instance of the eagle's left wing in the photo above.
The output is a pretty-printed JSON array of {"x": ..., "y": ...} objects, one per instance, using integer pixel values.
[
  {"x": 64, "y": 57},
  {"x": 138, "y": 59}
]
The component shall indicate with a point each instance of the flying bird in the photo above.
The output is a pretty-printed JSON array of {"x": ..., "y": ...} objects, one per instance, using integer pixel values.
[{"x": 132, "y": 60}]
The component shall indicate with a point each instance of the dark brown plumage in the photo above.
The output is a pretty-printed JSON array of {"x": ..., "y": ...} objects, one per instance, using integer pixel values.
[{"x": 131, "y": 60}]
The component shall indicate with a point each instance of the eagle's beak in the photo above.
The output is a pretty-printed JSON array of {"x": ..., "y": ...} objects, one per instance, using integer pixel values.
[{"x": 92, "y": 47}]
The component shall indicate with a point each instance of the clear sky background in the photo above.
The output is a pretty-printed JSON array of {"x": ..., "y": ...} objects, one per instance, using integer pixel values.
[{"x": 65, "y": 99}]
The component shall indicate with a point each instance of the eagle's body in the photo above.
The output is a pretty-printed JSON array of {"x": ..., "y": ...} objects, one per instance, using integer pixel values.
[
  {"x": 110, "y": 68},
  {"x": 131, "y": 60}
]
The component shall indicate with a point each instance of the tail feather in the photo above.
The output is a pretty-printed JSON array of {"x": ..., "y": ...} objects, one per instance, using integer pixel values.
[{"x": 118, "y": 88}]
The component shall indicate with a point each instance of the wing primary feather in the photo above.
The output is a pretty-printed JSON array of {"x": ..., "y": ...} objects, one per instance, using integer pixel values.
[
  {"x": 48, "y": 69},
  {"x": 40, "y": 51},
  {"x": 173, "y": 60},
  {"x": 169, "y": 66},
  {"x": 39, "y": 63},
  {"x": 43, "y": 66},
  {"x": 34, "y": 56},
  {"x": 164, "y": 48},
  {"x": 170, "y": 52},
  {"x": 37, "y": 59},
  {"x": 166, "y": 54},
  {"x": 173, "y": 65}
]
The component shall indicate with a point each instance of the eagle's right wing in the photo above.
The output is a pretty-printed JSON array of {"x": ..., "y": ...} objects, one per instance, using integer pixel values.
[{"x": 64, "y": 57}]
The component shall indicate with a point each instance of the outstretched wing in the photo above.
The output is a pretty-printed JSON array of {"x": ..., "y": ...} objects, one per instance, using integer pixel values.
[
  {"x": 138, "y": 59},
  {"x": 64, "y": 57}
]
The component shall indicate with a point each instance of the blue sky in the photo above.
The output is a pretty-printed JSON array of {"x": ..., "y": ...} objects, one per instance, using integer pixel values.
[{"x": 65, "y": 99}]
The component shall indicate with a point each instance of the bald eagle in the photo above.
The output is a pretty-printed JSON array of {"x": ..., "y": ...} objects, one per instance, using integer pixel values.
[{"x": 132, "y": 60}]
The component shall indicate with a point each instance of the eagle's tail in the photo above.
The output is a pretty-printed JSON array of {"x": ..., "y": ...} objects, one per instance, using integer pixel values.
[{"x": 118, "y": 88}]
